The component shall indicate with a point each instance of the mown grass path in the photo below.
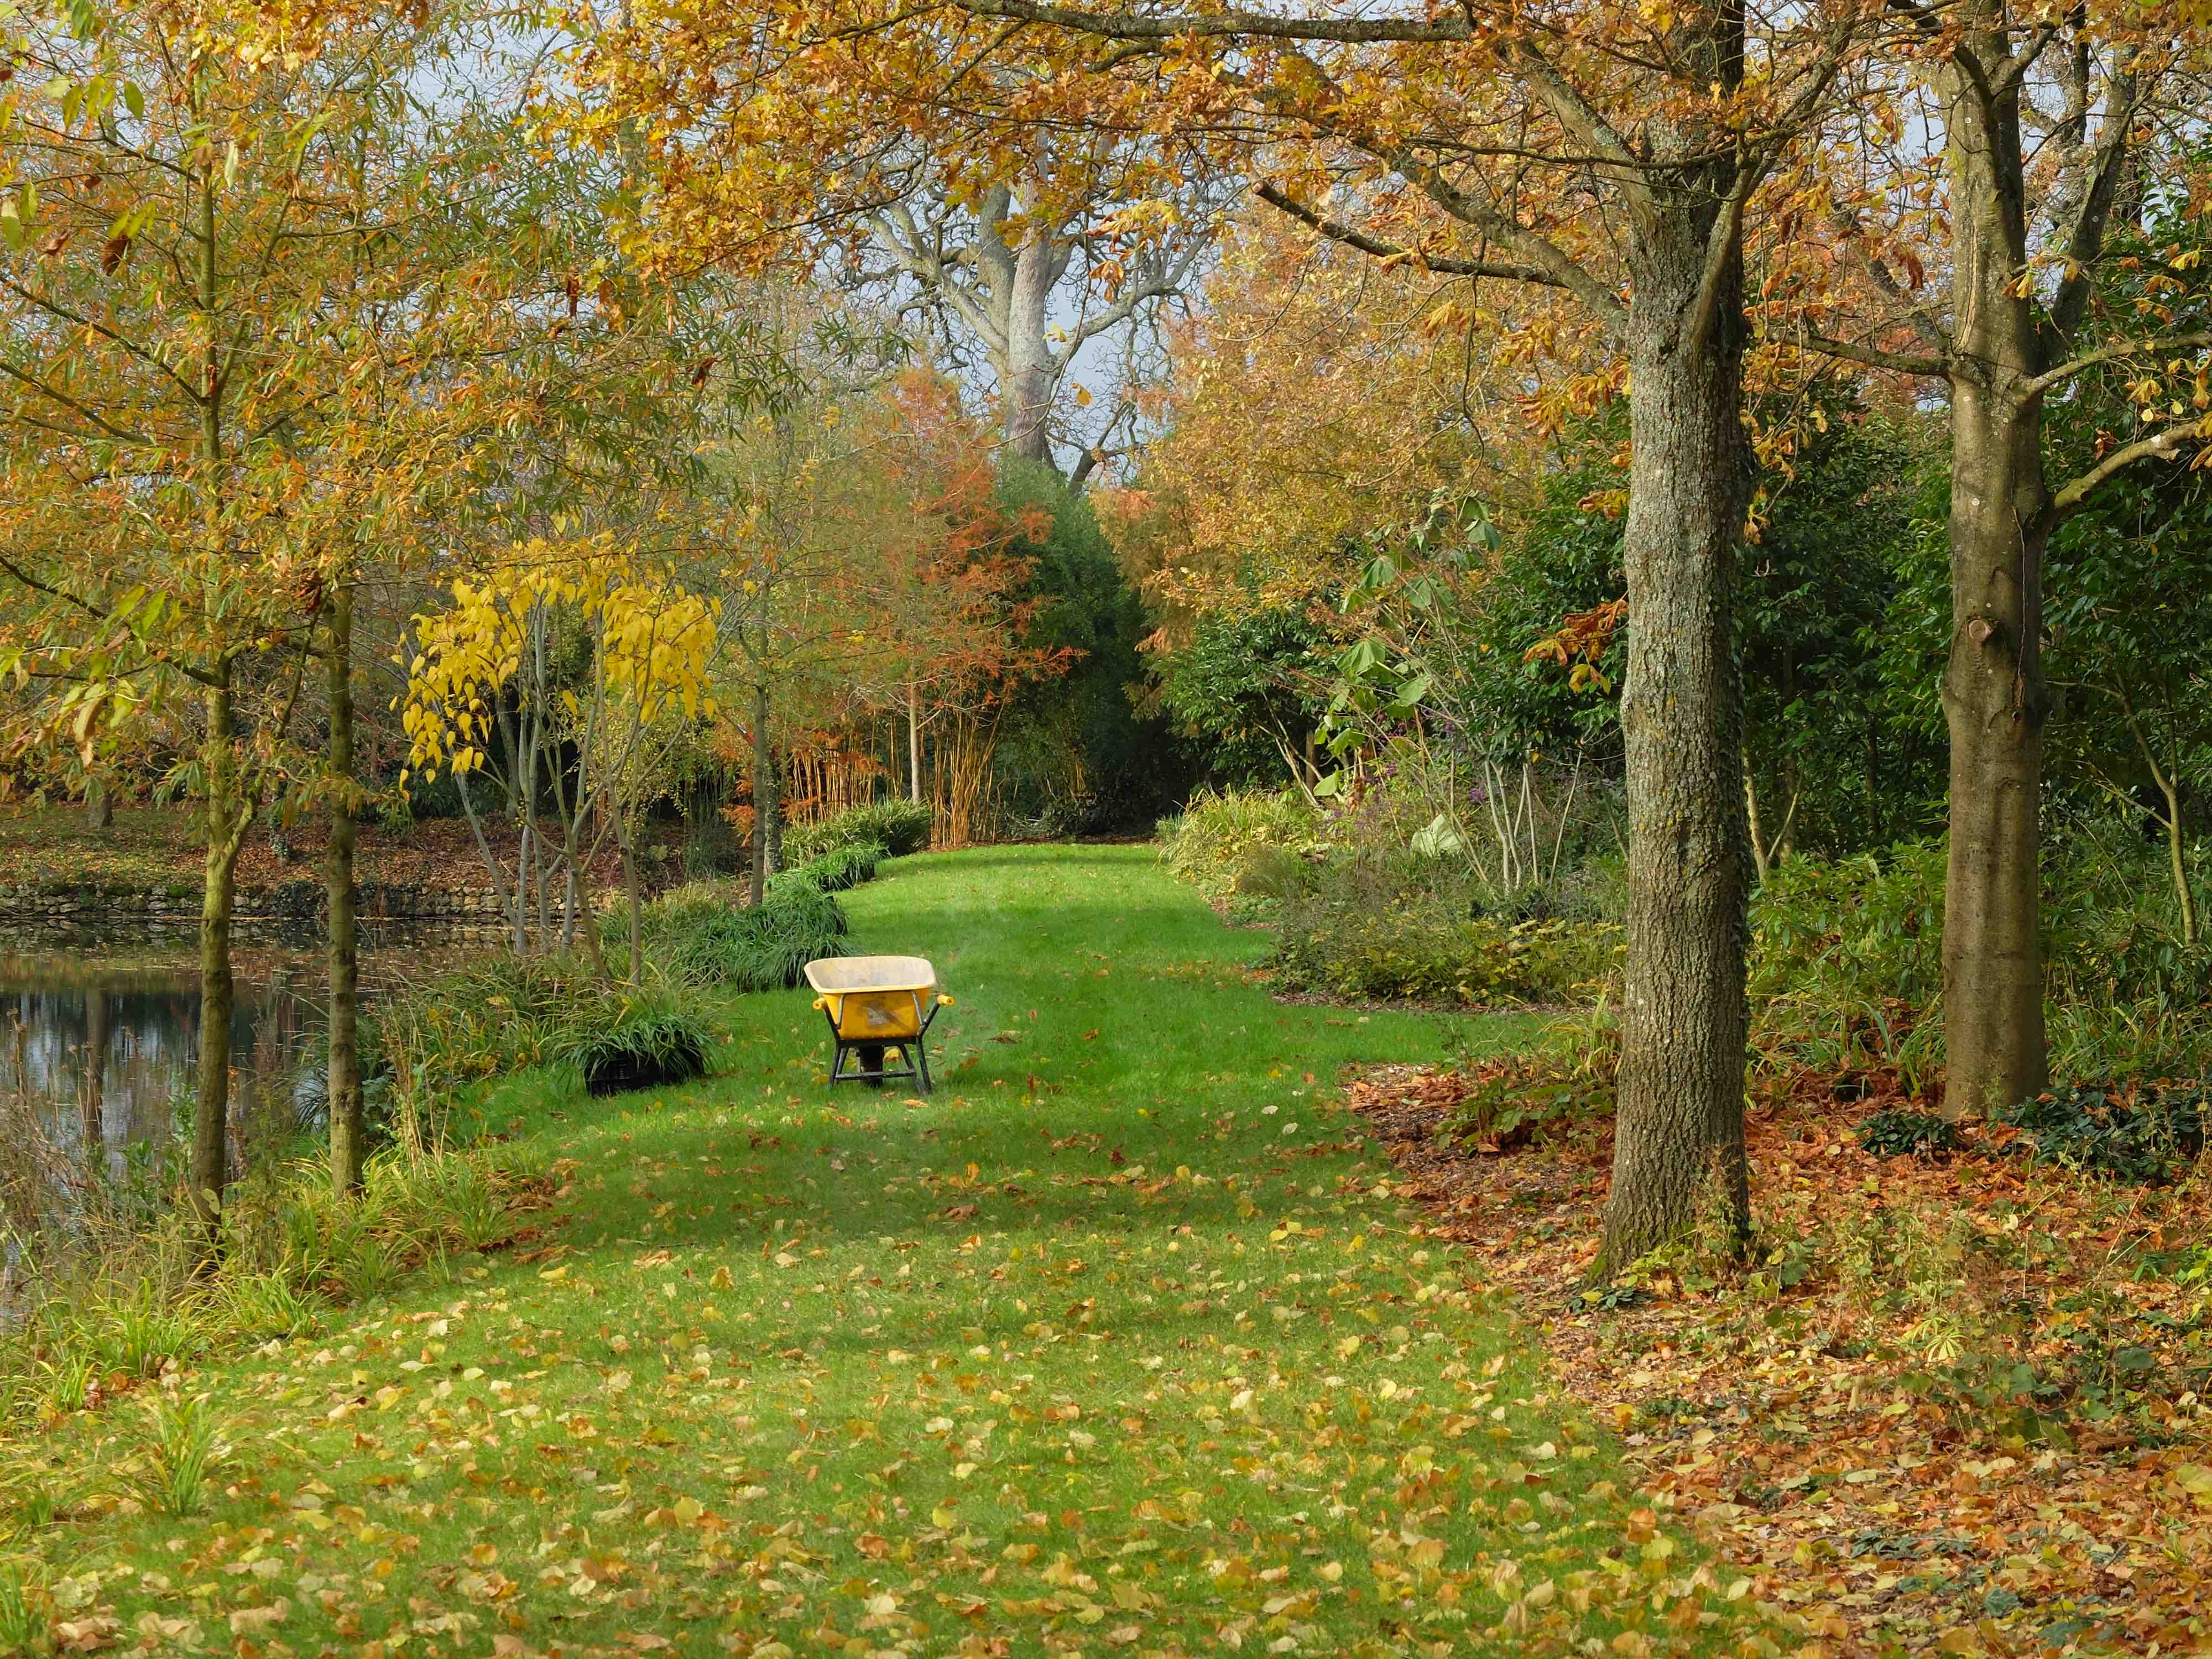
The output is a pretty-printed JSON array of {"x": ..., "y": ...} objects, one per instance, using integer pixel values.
[{"x": 1119, "y": 1344}]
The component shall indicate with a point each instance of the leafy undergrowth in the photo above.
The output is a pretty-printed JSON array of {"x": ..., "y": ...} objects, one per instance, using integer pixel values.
[
  {"x": 1957, "y": 1402},
  {"x": 1121, "y": 1342}
]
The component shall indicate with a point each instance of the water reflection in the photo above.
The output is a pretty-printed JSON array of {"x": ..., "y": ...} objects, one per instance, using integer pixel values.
[{"x": 100, "y": 1035}]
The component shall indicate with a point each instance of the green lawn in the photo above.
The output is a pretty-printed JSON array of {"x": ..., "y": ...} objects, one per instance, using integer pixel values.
[{"x": 1120, "y": 1343}]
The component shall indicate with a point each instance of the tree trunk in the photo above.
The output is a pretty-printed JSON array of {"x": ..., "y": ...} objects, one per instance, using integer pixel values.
[
  {"x": 1750, "y": 820},
  {"x": 208, "y": 1172},
  {"x": 1994, "y": 697},
  {"x": 2177, "y": 855},
  {"x": 544, "y": 880},
  {"x": 625, "y": 837},
  {"x": 764, "y": 795},
  {"x": 94, "y": 1106},
  {"x": 912, "y": 741},
  {"x": 348, "y": 1131},
  {"x": 483, "y": 844},
  {"x": 1785, "y": 842},
  {"x": 2177, "y": 845},
  {"x": 1030, "y": 373},
  {"x": 209, "y": 1169},
  {"x": 775, "y": 812},
  {"x": 594, "y": 950},
  {"x": 1681, "y": 1113},
  {"x": 533, "y": 728},
  {"x": 519, "y": 921}
]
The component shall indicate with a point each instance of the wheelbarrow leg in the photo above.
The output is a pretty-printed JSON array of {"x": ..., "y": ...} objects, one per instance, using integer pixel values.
[{"x": 922, "y": 1062}]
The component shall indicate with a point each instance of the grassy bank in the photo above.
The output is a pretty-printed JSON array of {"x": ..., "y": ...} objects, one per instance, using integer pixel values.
[{"x": 1121, "y": 1341}]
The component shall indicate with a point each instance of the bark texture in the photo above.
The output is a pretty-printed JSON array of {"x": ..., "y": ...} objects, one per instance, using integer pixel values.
[
  {"x": 347, "y": 1132},
  {"x": 912, "y": 741},
  {"x": 1994, "y": 697},
  {"x": 633, "y": 899},
  {"x": 1031, "y": 376},
  {"x": 208, "y": 1170},
  {"x": 1683, "y": 1019}
]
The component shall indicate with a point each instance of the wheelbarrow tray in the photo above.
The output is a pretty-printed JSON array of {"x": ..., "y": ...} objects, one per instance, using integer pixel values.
[{"x": 875, "y": 1003}]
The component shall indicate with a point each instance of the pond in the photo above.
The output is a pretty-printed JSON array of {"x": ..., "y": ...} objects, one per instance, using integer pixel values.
[{"x": 99, "y": 1039}]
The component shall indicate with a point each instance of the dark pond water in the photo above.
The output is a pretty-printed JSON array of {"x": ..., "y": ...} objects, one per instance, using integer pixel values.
[{"x": 99, "y": 1034}]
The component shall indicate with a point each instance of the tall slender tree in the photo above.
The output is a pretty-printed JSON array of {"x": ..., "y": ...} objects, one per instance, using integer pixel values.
[
  {"x": 1969, "y": 201},
  {"x": 280, "y": 314},
  {"x": 161, "y": 300}
]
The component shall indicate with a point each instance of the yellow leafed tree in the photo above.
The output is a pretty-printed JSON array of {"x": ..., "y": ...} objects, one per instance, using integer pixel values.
[{"x": 490, "y": 672}]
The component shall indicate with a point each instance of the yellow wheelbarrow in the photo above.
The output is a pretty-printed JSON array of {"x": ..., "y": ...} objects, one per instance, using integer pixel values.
[{"x": 876, "y": 1003}]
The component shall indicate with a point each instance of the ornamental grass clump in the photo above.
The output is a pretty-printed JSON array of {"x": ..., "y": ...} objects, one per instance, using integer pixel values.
[
  {"x": 899, "y": 827},
  {"x": 844, "y": 867},
  {"x": 701, "y": 934},
  {"x": 650, "y": 1040},
  {"x": 1226, "y": 841}
]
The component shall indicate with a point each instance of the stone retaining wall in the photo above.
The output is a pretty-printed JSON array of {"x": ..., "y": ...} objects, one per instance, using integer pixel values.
[{"x": 292, "y": 900}]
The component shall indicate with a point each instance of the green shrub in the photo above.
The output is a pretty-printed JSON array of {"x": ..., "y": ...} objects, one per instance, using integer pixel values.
[
  {"x": 503, "y": 1013},
  {"x": 2143, "y": 1136},
  {"x": 802, "y": 923},
  {"x": 491, "y": 1016},
  {"x": 704, "y": 934},
  {"x": 1571, "y": 1074},
  {"x": 899, "y": 827},
  {"x": 844, "y": 867},
  {"x": 1850, "y": 929},
  {"x": 1409, "y": 949},
  {"x": 1238, "y": 840},
  {"x": 1901, "y": 1133},
  {"x": 1846, "y": 967}
]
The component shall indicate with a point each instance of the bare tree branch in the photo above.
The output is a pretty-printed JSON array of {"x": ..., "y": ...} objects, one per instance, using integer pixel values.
[
  {"x": 2066, "y": 371},
  {"x": 1337, "y": 231},
  {"x": 1935, "y": 368},
  {"x": 2160, "y": 446}
]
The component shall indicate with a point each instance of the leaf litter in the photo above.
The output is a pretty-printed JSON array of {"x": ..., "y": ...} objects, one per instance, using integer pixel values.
[{"x": 1954, "y": 1403}]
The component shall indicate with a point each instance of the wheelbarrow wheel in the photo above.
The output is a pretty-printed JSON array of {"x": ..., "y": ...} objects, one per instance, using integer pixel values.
[{"x": 872, "y": 1064}]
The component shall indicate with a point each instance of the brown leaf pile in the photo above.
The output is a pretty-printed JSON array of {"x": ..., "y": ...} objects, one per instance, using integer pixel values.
[{"x": 1853, "y": 1438}]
